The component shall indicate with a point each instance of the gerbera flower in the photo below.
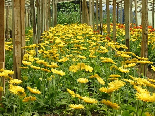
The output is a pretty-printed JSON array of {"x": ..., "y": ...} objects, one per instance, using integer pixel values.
[
  {"x": 109, "y": 103},
  {"x": 76, "y": 106}
]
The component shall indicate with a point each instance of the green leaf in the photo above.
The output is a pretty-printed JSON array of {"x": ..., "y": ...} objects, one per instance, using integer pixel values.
[
  {"x": 130, "y": 108},
  {"x": 126, "y": 113}
]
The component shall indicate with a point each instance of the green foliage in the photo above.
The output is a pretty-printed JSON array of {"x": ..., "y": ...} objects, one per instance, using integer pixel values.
[{"x": 69, "y": 13}]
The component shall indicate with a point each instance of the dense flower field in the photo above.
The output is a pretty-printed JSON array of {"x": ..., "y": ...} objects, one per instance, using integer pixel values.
[{"x": 76, "y": 71}]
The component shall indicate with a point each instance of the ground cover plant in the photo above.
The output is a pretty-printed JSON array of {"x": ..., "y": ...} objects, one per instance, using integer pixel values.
[{"x": 76, "y": 71}]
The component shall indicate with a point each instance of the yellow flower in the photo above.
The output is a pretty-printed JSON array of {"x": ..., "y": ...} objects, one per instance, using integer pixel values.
[
  {"x": 46, "y": 70},
  {"x": 146, "y": 97},
  {"x": 130, "y": 81},
  {"x": 58, "y": 72},
  {"x": 82, "y": 57},
  {"x": 125, "y": 56},
  {"x": 63, "y": 59},
  {"x": 123, "y": 70},
  {"x": 89, "y": 100},
  {"x": 27, "y": 99},
  {"x": 100, "y": 80},
  {"x": 144, "y": 62},
  {"x": 35, "y": 91},
  {"x": 75, "y": 106},
  {"x": 23, "y": 67},
  {"x": 88, "y": 68},
  {"x": 107, "y": 60},
  {"x": 130, "y": 65},
  {"x": 109, "y": 103},
  {"x": 113, "y": 67},
  {"x": 114, "y": 76},
  {"x": 15, "y": 81},
  {"x": 74, "y": 68},
  {"x": 26, "y": 63},
  {"x": 112, "y": 86},
  {"x": 148, "y": 114},
  {"x": 3, "y": 74},
  {"x": 70, "y": 92},
  {"x": 53, "y": 65},
  {"x": 82, "y": 80},
  {"x": 1, "y": 88},
  {"x": 152, "y": 67},
  {"x": 17, "y": 90},
  {"x": 34, "y": 67}
]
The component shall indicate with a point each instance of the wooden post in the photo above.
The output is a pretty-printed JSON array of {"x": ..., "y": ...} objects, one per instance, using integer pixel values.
[
  {"x": 2, "y": 45},
  {"x": 117, "y": 12},
  {"x": 49, "y": 13},
  {"x": 108, "y": 18},
  {"x": 93, "y": 13},
  {"x": 101, "y": 17},
  {"x": 121, "y": 14},
  {"x": 80, "y": 7},
  {"x": 54, "y": 20},
  {"x": 90, "y": 13},
  {"x": 136, "y": 12},
  {"x": 127, "y": 22},
  {"x": 83, "y": 11},
  {"x": 7, "y": 22},
  {"x": 33, "y": 20},
  {"x": 29, "y": 20},
  {"x": 18, "y": 15},
  {"x": 22, "y": 26},
  {"x": 144, "y": 45},
  {"x": 97, "y": 14},
  {"x": 42, "y": 17},
  {"x": 86, "y": 13},
  {"x": 44, "y": 13},
  {"x": 153, "y": 14},
  {"x": 131, "y": 17},
  {"x": 114, "y": 20},
  {"x": 38, "y": 4}
]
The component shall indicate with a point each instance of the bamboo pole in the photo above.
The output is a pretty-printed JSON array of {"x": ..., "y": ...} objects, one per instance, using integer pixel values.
[
  {"x": 18, "y": 9},
  {"x": 127, "y": 23},
  {"x": 108, "y": 18},
  {"x": 136, "y": 12},
  {"x": 114, "y": 20},
  {"x": 2, "y": 45},
  {"x": 144, "y": 45}
]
